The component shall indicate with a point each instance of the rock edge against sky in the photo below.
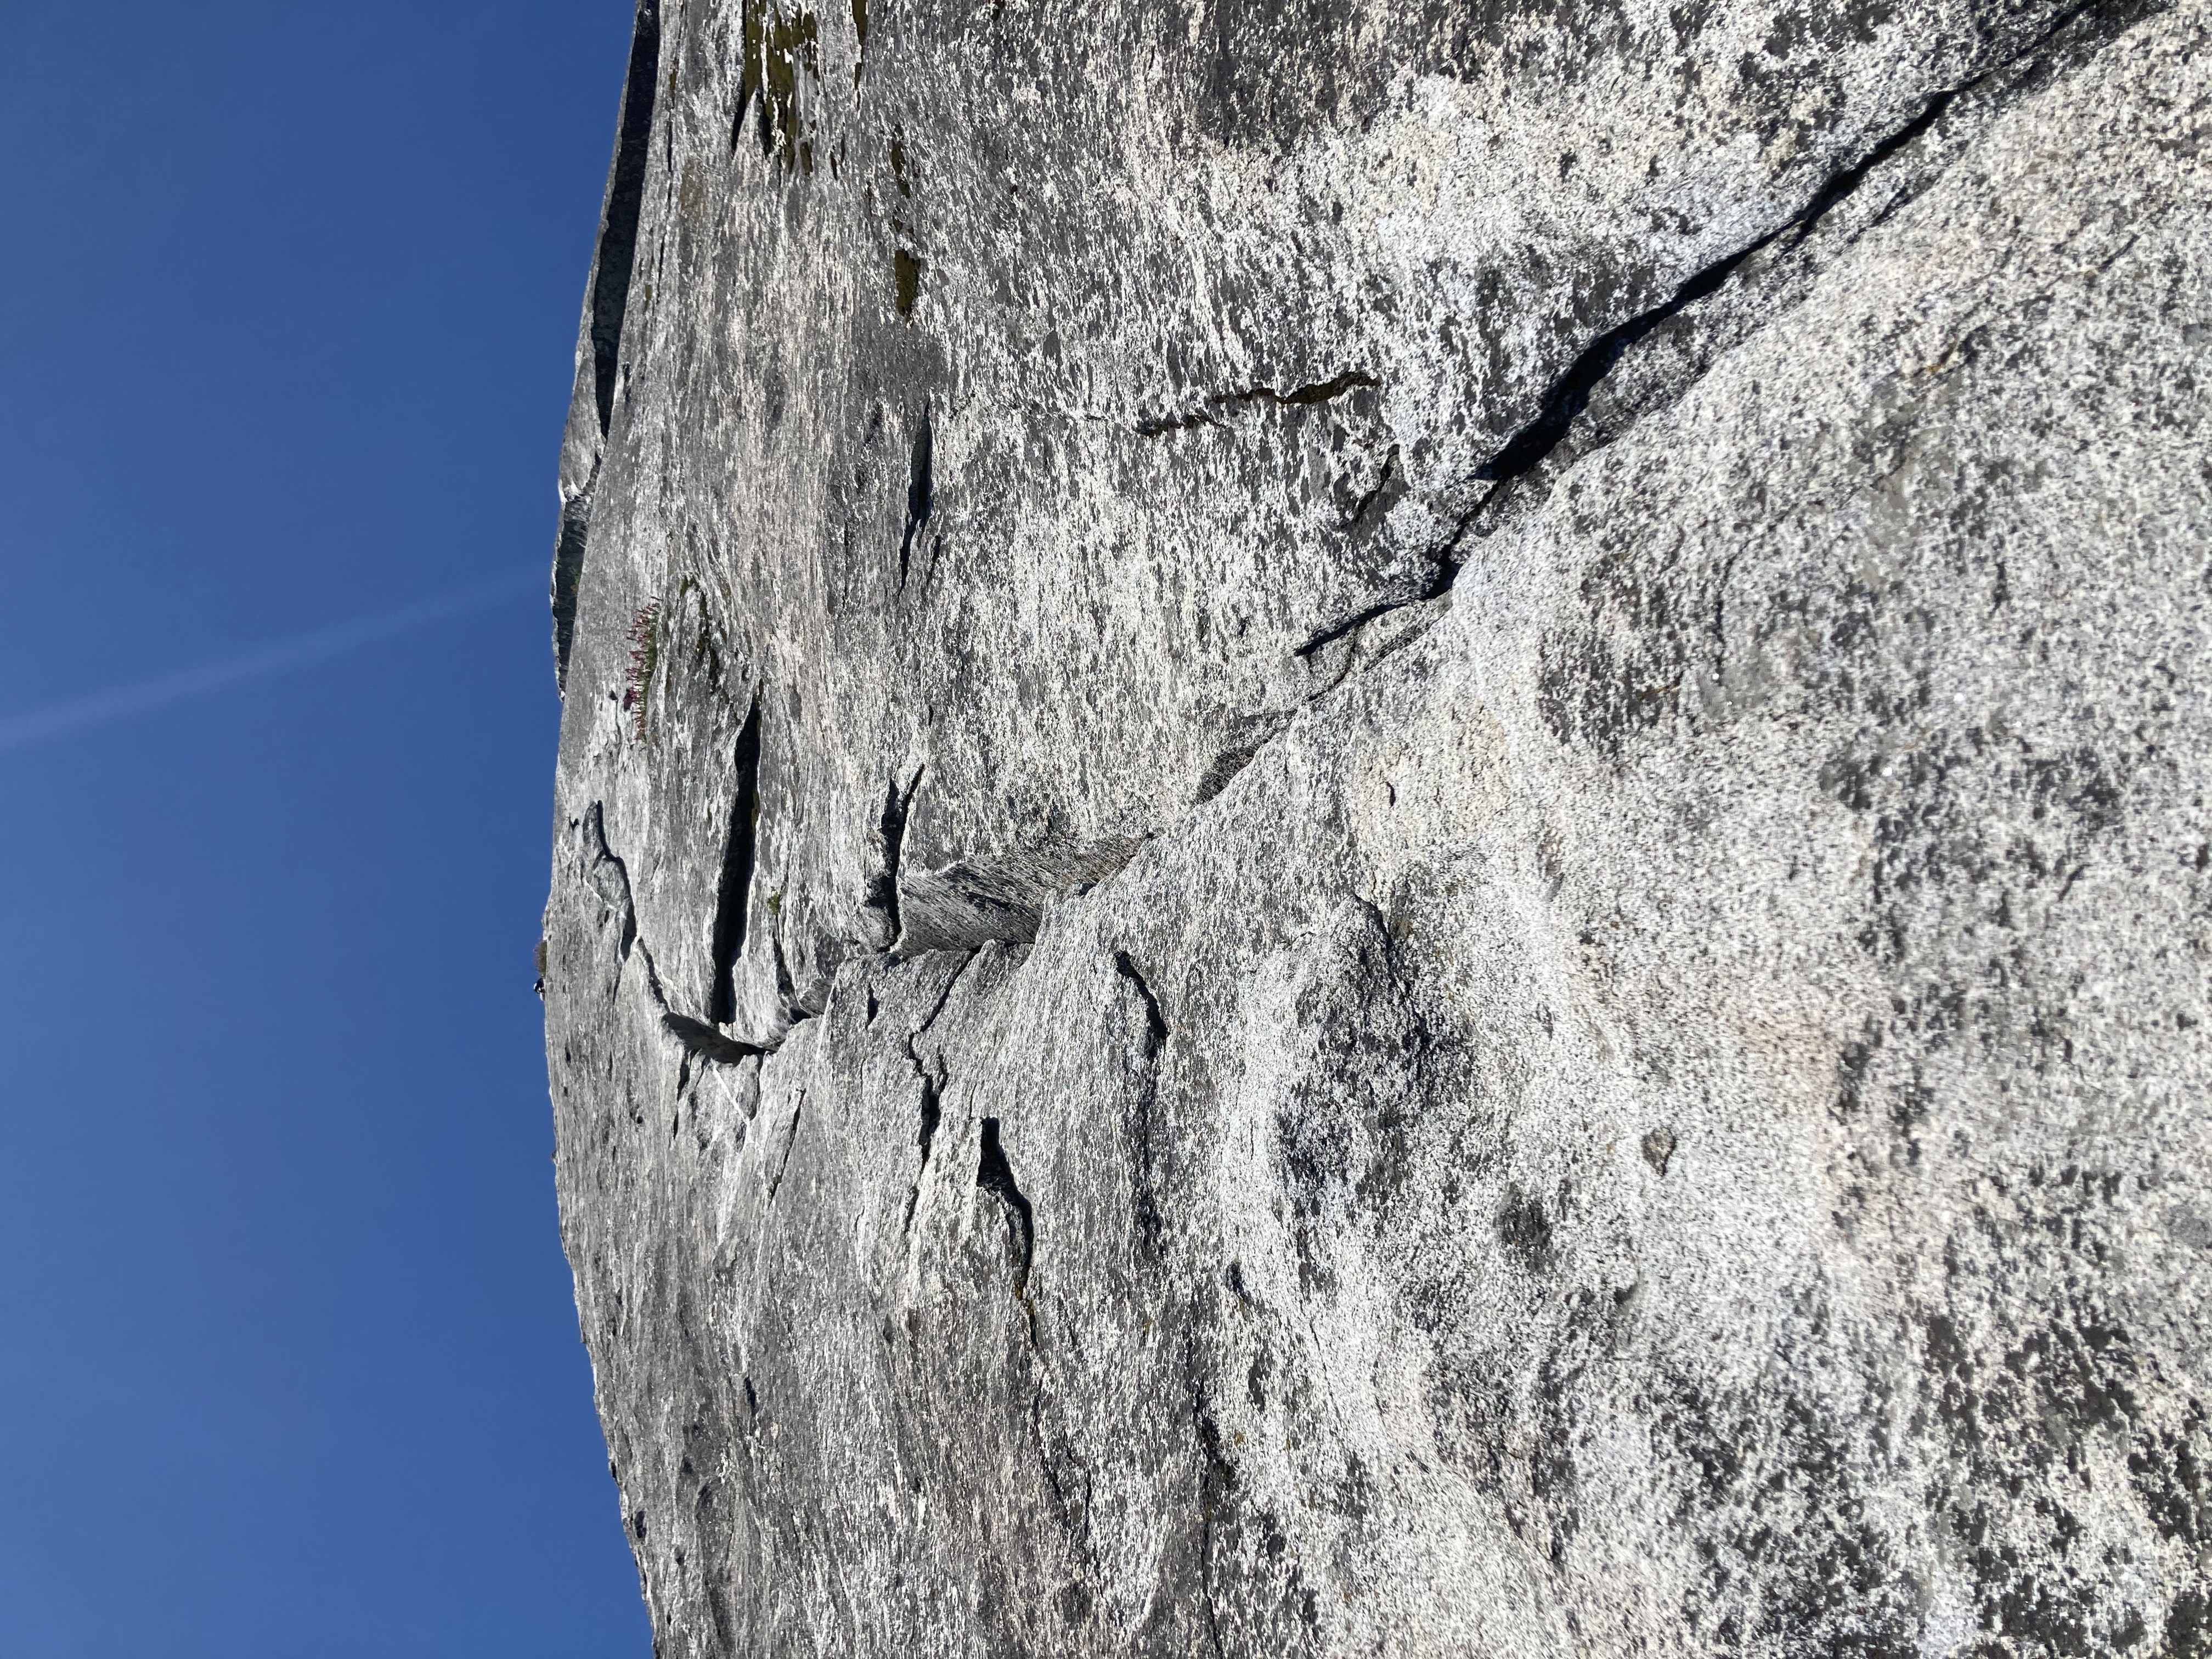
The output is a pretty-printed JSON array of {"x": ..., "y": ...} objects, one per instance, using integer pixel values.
[{"x": 1382, "y": 828}]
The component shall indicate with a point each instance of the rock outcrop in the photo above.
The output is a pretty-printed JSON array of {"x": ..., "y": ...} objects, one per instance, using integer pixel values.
[{"x": 1382, "y": 828}]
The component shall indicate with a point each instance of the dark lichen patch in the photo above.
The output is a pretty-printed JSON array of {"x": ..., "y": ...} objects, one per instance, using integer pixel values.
[
  {"x": 2171, "y": 1473},
  {"x": 1344, "y": 1126},
  {"x": 1852, "y": 1065},
  {"x": 2188, "y": 1627},
  {"x": 1774, "y": 1508},
  {"x": 906, "y": 280},
  {"x": 1525, "y": 1231},
  {"x": 1623, "y": 674},
  {"x": 2029, "y": 1415}
]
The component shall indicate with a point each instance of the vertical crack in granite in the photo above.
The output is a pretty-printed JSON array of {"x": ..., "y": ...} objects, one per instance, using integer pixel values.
[
  {"x": 1156, "y": 1025},
  {"x": 1216, "y": 1480},
  {"x": 932, "y": 1115},
  {"x": 1144, "y": 1125}
]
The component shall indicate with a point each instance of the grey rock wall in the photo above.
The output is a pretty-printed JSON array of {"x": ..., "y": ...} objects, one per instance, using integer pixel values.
[{"x": 1382, "y": 829}]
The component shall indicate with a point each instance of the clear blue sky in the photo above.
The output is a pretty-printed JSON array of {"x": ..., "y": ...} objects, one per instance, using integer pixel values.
[{"x": 289, "y": 1365}]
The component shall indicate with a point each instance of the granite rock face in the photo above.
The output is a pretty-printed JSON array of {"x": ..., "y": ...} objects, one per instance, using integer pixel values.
[{"x": 1382, "y": 828}]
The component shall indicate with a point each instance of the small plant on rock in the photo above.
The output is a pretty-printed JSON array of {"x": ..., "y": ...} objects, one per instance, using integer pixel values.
[{"x": 644, "y": 638}]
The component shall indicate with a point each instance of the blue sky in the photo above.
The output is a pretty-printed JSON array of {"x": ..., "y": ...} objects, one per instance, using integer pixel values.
[{"x": 289, "y": 1365}]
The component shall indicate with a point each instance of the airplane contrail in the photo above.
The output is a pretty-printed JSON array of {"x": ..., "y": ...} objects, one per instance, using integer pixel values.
[{"x": 119, "y": 703}]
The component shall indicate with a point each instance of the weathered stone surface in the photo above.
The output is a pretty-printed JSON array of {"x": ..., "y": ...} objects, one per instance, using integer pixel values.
[{"x": 1383, "y": 831}]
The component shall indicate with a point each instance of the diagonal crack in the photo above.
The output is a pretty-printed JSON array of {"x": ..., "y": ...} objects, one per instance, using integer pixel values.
[
  {"x": 790, "y": 1141},
  {"x": 1570, "y": 392}
]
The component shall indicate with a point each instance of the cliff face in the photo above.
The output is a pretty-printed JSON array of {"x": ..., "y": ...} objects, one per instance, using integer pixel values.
[{"x": 1382, "y": 828}]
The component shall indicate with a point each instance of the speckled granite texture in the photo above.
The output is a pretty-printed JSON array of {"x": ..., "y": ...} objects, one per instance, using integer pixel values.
[{"x": 1382, "y": 829}]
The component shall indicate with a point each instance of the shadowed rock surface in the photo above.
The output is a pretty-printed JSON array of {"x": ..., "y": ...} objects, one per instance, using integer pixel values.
[{"x": 1382, "y": 829}]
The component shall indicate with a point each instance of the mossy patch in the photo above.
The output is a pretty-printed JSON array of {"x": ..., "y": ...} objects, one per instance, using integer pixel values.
[{"x": 776, "y": 49}]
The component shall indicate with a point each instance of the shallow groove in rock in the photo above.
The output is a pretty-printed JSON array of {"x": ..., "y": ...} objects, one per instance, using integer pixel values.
[{"x": 703, "y": 1041}]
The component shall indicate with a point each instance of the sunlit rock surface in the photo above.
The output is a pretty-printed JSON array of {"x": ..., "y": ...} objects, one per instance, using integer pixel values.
[{"x": 1382, "y": 829}]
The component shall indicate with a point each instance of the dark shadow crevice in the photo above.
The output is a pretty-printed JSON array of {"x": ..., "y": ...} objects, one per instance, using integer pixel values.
[
  {"x": 568, "y": 548},
  {"x": 1321, "y": 392},
  {"x": 618, "y": 225},
  {"x": 921, "y": 494},
  {"x": 884, "y": 889},
  {"x": 734, "y": 890},
  {"x": 995, "y": 1175},
  {"x": 1156, "y": 1025}
]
